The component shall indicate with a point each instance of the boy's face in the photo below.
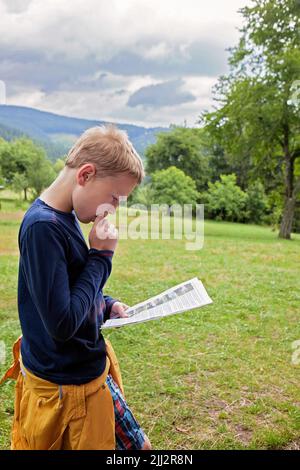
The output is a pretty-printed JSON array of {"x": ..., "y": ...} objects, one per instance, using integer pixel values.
[{"x": 93, "y": 196}]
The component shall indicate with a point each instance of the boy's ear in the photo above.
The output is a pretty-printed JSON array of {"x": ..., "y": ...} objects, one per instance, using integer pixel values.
[{"x": 86, "y": 171}]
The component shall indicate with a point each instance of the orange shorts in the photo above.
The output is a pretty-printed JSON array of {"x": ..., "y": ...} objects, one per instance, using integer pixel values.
[{"x": 48, "y": 416}]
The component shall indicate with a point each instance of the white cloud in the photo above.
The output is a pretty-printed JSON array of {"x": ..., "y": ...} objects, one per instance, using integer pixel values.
[
  {"x": 87, "y": 57},
  {"x": 80, "y": 27},
  {"x": 110, "y": 106}
]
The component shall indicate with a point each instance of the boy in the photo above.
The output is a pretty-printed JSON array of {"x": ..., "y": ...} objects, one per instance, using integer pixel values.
[{"x": 66, "y": 396}]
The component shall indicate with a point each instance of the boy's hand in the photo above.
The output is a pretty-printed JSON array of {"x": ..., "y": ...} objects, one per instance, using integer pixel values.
[
  {"x": 118, "y": 310},
  {"x": 103, "y": 235}
]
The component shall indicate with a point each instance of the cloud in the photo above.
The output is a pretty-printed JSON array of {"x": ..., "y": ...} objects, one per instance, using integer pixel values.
[
  {"x": 199, "y": 58},
  {"x": 16, "y": 6},
  {"x": 133, "y": 61},
  {"x": 162, "y": 94},
  {"x": 101, "y": 29},
  {"x": 109, "y": 106}
]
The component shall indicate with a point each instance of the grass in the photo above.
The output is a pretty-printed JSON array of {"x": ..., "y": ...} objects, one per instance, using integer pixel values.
[{"x": 220, "y": 377}]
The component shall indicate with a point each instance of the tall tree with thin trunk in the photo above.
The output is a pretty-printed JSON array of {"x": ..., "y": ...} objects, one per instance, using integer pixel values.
[{"x": 257, "y": 118}]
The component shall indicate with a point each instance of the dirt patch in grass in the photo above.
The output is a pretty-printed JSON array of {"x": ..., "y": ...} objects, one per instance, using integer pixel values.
[
  {"x": 294, "y": 445},
  {"x": 243, "y": 434}
]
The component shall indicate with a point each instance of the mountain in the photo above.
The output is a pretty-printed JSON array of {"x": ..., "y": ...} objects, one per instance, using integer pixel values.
[{"x": 57, "y": 133}]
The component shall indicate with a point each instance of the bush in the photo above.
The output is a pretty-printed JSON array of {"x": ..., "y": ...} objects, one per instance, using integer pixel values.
[
  {"x": 225, "y": 200},
  {"x": 173, "y": 186},
  {"x": 183, "y": 148},
  {"x": 142, "y": 195}
]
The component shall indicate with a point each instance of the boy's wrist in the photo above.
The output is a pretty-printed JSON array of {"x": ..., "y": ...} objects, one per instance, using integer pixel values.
[
  {"x": 109, "y": 304},
  {"x": 95, "y": 251}
]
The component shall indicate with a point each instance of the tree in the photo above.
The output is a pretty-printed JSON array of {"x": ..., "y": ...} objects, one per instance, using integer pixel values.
[
  {"x": 257, "y": 121},
  {"x": 173, "y": 186},
  {"x": 257, "y": 202},
  {"x": 15, "y": 157},
  {"x": 40, "y": 174},
  {"x": 183, "y": 148},
  {"x": 2, "y": 180},
  {"x": 58, "y": 165},
  {"x": 20, "y": 183},
  {"x": 5, "y": 160},
  {"x": 25, "y": 165}
]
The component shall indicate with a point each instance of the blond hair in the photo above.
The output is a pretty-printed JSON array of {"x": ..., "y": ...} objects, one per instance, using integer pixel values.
[{"x": 109, "y": 149}]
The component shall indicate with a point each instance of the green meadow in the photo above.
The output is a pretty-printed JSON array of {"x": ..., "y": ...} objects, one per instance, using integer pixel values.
[{"x": 219, "y": 377}]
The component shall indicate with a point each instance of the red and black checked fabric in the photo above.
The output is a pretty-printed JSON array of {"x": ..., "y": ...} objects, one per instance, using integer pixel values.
[{"x": 129, "y": 434}]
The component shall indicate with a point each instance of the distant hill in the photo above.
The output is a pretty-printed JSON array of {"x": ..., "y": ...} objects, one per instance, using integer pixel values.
[
  {"x": 57, "y": 133},
  {"x": 8, "y": 134}
]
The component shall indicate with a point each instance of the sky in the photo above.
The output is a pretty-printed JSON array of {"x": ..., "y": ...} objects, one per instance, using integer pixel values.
[{"x": 144, "y": 62}]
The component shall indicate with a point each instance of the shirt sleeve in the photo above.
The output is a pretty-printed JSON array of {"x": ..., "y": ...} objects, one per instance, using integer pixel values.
[
  {"x": 44, "y": 261},
  {"x": 109, "y": 301}
]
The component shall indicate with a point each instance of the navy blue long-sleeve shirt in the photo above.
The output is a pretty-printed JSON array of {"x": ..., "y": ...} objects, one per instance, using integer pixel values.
[{"x": 60, "y": 300}]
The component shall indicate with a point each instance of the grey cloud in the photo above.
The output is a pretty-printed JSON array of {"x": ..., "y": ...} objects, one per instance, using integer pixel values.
[
  {"x": 32, "y": 69},
  {"x": 17, "y": 6},
  {"x": 120, "y": 92},
  {"x": 199, "y": 58},
  {"x": 162, "y": 94},
  {"x": 60, "y": 72}
]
